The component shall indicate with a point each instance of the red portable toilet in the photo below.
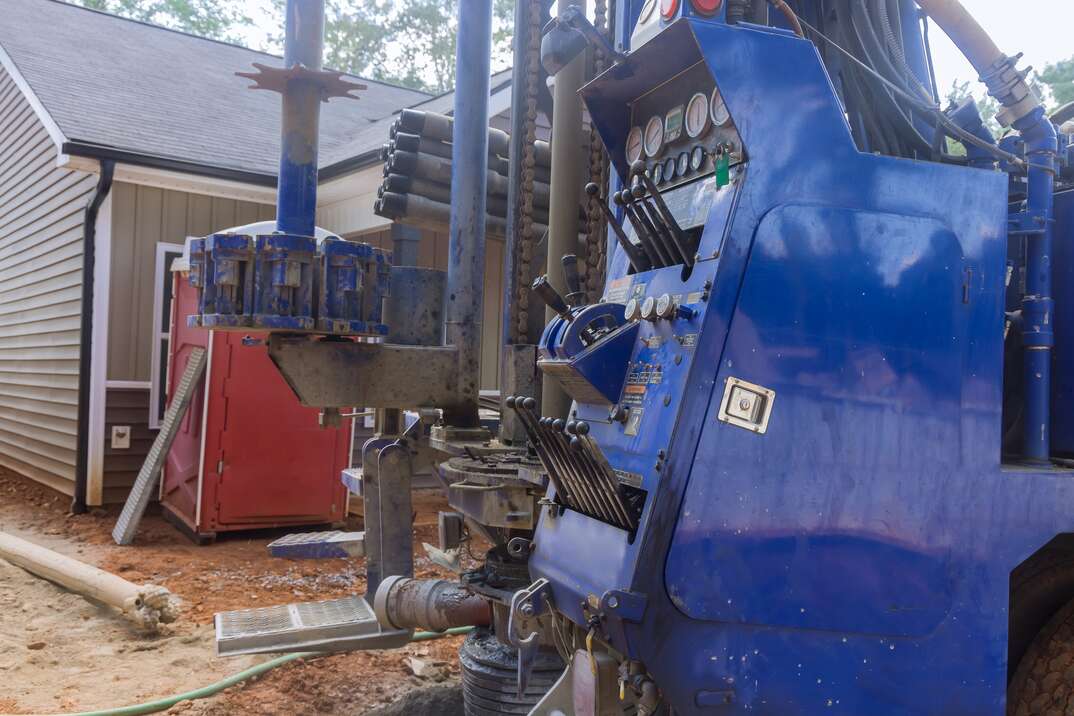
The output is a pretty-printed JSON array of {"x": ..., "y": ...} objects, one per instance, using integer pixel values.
[{"x": 247, "y": 454}]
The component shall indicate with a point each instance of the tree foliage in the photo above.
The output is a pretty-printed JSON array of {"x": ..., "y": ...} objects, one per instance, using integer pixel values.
[
  {"x": 409, "y": 42},
  {"x": 217, "y": 19},
  {"x": 1059, "y": 78}
]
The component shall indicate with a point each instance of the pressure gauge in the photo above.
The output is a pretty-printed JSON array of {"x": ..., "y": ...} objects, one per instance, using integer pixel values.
[
  {"x": 633, "y": 145},
  {"x": 632, "y": 312},
  {"x": 697, "y": 115},
  {"x": 658, "y": 174},
  {"x": 718, "y": 109},
  {"x": 697, "y": 158},
  {"x": 669, "y": 169},
  {"x": 654, "y": 136},
  {"x": 683, "y": 166}
]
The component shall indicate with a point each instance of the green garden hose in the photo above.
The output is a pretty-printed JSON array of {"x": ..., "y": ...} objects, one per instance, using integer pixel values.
[{"x": 206, "y": 691}]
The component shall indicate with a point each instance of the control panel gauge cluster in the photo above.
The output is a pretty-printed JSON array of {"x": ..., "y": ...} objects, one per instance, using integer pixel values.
[{"x": 682, "y": 130}]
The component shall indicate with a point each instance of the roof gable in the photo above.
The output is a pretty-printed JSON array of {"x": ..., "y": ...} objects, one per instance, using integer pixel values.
[{"x": 146, "y": 90}]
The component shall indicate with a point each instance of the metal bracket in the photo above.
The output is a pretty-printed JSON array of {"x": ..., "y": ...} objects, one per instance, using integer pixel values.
[
  {"x": 1023, "y": 224},
  {"x": 628, "y": 606},
  {"x": 527, "y": 605},
  {"x": 276, "y": 79}
]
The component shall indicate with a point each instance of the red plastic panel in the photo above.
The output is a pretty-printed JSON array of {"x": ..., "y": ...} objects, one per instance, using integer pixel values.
[{"x": 266, "y": 461}]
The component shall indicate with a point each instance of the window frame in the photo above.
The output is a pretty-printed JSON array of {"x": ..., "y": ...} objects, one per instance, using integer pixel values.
[{"x": 159, "y": 334}]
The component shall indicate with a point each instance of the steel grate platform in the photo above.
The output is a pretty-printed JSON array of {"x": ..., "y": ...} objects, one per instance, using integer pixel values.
[
  {"x": 319, "y": 545},
  {"x": 333, "y": 625}
]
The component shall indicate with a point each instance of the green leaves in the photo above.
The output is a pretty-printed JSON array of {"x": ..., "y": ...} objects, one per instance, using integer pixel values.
[
  {"x": 1060, "y": 80},
  {"x": 217, "y": 19},
  {"x": 408, "y": 42}
]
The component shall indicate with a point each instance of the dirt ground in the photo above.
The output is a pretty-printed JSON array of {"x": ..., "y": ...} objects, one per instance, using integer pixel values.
[{"x": 61, "y": 654}]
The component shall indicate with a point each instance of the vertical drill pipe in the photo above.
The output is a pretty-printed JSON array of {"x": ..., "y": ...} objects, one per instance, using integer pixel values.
[
  {"x": 296, "y": 193},
  {"x": 517, "y": 332},
  {"x": 513, "y": 258},
  {"x": 466, "y": 247},
  {"x": 1037, "y": 304},
  {"x": 566, "y": 186}
]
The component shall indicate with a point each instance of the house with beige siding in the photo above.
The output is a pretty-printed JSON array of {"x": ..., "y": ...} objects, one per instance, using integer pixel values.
[{"x": 118, "y": 140}]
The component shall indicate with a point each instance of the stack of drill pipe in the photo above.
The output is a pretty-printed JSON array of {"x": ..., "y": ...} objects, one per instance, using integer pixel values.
[{"x": 417, "y": 175}]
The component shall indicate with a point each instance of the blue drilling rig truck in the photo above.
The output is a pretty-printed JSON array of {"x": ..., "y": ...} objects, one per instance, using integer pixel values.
[{"x": 787, "y": 365}]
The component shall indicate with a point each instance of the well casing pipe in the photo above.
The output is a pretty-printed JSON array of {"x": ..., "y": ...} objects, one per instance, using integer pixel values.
[
  {"x": 296, "y": 193},
  {"x": 436, "y": 604},
  {"x": 466, "y": 243},
  {"x": 565, "y": 193}
]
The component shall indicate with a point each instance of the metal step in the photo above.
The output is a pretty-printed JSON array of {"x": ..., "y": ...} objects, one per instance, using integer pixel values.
[
  {"x": 346, "y": 624},
  {"x": 352, "y": 478},
  {"x": 319, "y": 545}
]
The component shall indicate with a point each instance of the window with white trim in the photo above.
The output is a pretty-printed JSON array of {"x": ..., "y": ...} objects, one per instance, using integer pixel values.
[{"x": 162, "y": 312}]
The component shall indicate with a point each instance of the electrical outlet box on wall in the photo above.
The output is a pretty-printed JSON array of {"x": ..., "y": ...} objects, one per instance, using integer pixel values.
[{"x": 121, "y": 437}]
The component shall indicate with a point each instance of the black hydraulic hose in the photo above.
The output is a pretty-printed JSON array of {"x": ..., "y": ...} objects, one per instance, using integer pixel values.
[
  {"x": 875, "y": 54},
  {"x": 85, "y": 338},
  {"x": 953, "y": 129}
]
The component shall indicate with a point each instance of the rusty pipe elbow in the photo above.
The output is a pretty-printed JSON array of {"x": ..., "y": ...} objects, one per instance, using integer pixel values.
[{"x": 434, "y": 604}]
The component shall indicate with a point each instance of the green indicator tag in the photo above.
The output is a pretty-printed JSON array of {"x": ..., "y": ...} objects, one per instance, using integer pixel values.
[{"x": 723, "y": 170}]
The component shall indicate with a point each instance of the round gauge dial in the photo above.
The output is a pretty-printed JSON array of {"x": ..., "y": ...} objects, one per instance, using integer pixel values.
[
  {"x": 697, "y": 116},
  {"x": 697, "y": 158},
  {"x": 658, "y": 174},
  {"x": 683, "y": 167},
  {"x": 654, "y": 136},
  {"x": 633, "y": 145},
  {"x": 669, "y": 169},
  {"x": 633, "y": 310},
  {"x": 718, "y": 109}
]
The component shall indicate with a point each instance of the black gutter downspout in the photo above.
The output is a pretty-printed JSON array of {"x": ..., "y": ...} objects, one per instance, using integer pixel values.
[{"x": 85, "y": 343}]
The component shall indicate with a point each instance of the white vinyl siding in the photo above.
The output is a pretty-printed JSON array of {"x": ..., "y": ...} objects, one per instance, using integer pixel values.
[{"x": 41, "y": 213}]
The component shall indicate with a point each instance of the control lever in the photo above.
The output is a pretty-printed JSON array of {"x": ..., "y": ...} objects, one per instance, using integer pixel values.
[
  {"x": 646, "y": 208},
  {"x": 644, "y": 240},
  {"x": 575, "y": 297},
  {"x": 677, "y": 235},
  {"x": 664, "y": 250},
  {"x": 551, "y": 298},
  {"x": 635, "y": 255}
]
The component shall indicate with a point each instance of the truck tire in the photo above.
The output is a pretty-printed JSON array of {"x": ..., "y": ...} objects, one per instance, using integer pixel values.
[{"x": 1043, "y": 683}]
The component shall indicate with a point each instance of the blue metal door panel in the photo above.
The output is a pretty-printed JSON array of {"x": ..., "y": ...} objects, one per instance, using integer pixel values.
[{"x": 867, "y": 368}]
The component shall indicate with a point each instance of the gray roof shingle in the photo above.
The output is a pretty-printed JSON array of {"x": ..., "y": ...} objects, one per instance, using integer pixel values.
[{"x": 151, "y": 91}]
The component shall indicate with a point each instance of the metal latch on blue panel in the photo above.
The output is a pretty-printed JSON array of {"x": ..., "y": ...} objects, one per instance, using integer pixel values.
[{"x": 746, "y": 405}]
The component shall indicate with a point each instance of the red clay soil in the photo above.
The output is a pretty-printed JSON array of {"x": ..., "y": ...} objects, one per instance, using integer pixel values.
[{"x": 234, "y": 573}]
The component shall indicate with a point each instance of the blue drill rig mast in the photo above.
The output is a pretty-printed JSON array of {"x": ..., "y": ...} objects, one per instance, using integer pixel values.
[{"x": 818, "y": 452}]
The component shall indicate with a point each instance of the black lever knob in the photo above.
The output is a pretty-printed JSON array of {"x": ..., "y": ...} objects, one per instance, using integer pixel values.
[
  {"x": 575, "y": 297},
  {"x": 551, "y": 297}
]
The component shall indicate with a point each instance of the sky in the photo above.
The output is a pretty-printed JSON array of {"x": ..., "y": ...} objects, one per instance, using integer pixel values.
[{"x": 1042, "y": 29}]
